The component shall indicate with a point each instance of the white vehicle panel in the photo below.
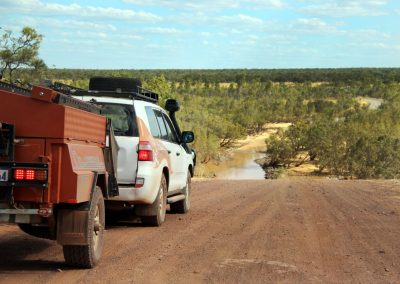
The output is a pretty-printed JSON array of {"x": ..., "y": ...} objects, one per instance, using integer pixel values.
[{"x": 127, "y": 159}]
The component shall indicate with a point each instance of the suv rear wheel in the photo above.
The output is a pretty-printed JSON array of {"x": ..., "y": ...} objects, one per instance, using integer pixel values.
[{"x": 159, "y": 206}]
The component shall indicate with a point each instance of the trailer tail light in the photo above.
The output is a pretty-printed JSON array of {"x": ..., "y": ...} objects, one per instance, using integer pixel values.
[
  {"x": 41, "y": 175},
  {"x": 19, "y": 174},
  {"x": 145, "y": 152},
  {"x": 30, "y": 175}
]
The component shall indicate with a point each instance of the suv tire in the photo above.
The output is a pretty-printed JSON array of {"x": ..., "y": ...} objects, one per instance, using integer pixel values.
[{"x": 159, "y": 206}]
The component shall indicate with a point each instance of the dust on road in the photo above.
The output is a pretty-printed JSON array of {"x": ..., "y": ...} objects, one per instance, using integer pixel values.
[{"x": 294, "y": 230}]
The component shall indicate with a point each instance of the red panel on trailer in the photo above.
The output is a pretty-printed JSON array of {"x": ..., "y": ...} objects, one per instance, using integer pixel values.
[
  {"x": 40, "y": 119},
  {"x": 29, "y": 150}
]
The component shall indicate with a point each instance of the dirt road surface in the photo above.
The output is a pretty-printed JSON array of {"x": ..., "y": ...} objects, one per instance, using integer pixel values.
[{"x": 285, "y": 231}]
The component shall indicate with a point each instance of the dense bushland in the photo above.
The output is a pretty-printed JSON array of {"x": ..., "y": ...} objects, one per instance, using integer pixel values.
[{"x": 353, "y": 142}]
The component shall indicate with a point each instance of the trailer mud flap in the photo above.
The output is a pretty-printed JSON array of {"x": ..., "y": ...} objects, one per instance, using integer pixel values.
[{"x": 72, "y": 227}]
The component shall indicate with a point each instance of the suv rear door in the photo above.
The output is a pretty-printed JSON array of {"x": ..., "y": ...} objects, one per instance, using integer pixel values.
[{"x": 126, "y": 132}]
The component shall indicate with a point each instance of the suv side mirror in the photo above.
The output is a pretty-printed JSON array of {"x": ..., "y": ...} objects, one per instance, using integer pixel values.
[
  {"x": 187, "y": 137},
  {"x": 172, "y": 105}
]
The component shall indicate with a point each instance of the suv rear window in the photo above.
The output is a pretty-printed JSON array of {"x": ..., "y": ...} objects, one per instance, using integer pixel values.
[{"x": 122, "y": 119}]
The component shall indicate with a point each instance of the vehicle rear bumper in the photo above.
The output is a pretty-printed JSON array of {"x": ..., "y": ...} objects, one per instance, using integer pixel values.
[{"x": 144, "y": 195}]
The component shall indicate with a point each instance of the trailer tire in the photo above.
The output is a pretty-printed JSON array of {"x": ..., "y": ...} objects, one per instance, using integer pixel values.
[
  {"x": 87, "y": 256},
  {"x": 42, "y": 232},
  {"x": 111, "y": 84},
  {"x": 183, "y": 206},
  {"x": 159, "y": 206}
]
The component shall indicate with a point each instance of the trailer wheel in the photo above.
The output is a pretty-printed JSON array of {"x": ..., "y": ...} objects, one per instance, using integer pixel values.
[
  {"x": 42, "y": 232},
  {"x": 159, "y": 206},
  {"x": 88, "y": 256},
  {"x": 183, "y": 206}
]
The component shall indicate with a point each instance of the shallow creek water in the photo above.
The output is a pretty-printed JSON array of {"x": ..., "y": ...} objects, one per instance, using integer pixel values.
[
  {"x": 241, "y": 166},
  {"x": 241, "y": 162}
]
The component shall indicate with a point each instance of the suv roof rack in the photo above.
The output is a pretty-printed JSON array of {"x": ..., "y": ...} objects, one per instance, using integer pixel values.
[{"x": 140, "y": 94}]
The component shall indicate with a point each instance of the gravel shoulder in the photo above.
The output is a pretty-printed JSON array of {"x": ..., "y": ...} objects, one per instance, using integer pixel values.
[{"x": 286, "y": 231}]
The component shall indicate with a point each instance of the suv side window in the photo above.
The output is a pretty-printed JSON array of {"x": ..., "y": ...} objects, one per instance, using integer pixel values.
[
  {"x": 151, "y": 117},
  {"x": 172, "y": 136},
  {"x": 163, "y": 128}
]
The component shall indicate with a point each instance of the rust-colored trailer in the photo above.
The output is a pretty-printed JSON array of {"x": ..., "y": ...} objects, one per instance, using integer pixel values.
[{"x": 55, "y": 169}]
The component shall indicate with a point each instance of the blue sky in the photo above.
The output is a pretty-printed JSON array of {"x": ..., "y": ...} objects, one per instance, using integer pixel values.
[{"x": 148, "y": 34}]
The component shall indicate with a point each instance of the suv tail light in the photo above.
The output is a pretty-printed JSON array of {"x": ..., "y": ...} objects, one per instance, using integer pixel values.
[
  {"x": 30, "y": 175},
  {"x": 145, "y": 152}
]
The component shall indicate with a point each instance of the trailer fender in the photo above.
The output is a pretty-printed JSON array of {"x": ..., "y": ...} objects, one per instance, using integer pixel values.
[
  {"x": 72, "y": 226},
  {"x": 72, "y": 220}
]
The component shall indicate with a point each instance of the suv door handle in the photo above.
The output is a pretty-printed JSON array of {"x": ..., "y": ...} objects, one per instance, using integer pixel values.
[
  {"x": 169, "y": 152},
  {"x": 178, "y": 154}
]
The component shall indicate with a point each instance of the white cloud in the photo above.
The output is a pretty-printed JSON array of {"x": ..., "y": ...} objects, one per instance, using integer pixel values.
[
  {"x": 312, "y": 26},
  {"x": 370, "y": 34},
  {"x": 87, "y": 25},
  {"x": 68, "y": 24},
  {"x": 209, "y": 5},
  {"x": 160, "y": 30},
  {"x": 235, "y": 31},
  {"x": 127, "y": 37},
  {"x": 38, "y": 7},
  {"x": 253, "y": 37},
  {"x": 240, "y": 23},
  {"x": 240, "y": 20},
  {"x": 342, "y": 8}
]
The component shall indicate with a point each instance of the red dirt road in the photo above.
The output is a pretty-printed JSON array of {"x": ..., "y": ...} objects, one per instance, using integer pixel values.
[{"x": 286, "y": 231}]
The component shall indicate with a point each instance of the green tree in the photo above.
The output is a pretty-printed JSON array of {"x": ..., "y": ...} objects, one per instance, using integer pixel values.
[
  {"x": 161, "y": 86},
  {"x": 20, "y": 51},
  {"x": 279, "y": 150}
]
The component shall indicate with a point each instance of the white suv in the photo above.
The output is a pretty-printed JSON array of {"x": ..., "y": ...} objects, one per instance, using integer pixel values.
[{"x": 155, "y": 165}]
